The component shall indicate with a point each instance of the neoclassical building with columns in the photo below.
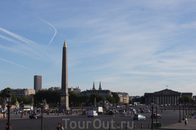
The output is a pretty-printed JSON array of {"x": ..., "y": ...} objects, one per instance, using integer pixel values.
[{"x": 166, "y": 96}]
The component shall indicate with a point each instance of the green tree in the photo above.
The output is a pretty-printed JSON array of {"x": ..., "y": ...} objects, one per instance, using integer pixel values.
[
  {"x": 192, "y": 101},
  {"x": 84, "y": 99},
  {"x": 74, "y": 99},
  {"x": 1, "y": 100},
  {"x": 5, "y": 91},
  {"x": 111, "y": 99},
  {"x": 97, "y": 96},
  {"x": 25, "y": 100},
  {"x": 186, "y": 99},
  {"x": 181, "y": 100},
  {"x": 116, "y": 97},
  {"x": 52, "y": 97},
  {"x": 142, "y": 101}
]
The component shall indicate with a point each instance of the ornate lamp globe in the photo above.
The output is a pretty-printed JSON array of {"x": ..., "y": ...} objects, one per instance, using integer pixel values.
[{"x": 8, "y": 97}]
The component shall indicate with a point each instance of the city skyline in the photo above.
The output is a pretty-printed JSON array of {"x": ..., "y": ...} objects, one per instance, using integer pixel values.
[{"x": 130, "y": 46}]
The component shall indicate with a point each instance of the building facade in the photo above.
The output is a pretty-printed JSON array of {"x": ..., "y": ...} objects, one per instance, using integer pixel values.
[
  {"x": 24, "y": 92},
  {"x": 165, "y": 96},
  {"x": 37, "y": 83},
  {"x": 75, "y": 90},
  {"x": 105, "y": 93},
  {"x": 124, "y": 97}
]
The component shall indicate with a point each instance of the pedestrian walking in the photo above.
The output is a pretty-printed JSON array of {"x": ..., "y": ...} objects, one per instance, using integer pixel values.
[
  {"x": 186, "y": 121},
  {"x": 48, "y": 112},
  {"x": 61, "y": 127},
  {"x": 58, "y": 126},
  {"x": 63, "y": 112}
]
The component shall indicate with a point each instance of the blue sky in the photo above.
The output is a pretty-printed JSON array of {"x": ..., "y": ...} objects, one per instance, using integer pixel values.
[{"x": 132, "y": 46}]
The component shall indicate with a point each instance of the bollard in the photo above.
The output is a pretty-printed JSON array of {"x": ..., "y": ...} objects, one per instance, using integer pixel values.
[
  {"x": 118, "y": 128},
  {"x": 148, "y": 126},
  {"x": 134, "y": 126},
  {"x": 141, "y": 126}
]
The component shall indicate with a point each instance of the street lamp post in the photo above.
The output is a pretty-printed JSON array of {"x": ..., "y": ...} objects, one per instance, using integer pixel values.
[
  {"x": 183, "y": 112},
  {"x": 8, "y": 98},
  {"x": 179, "y": 113},
  {"x": 156, "y": 112},
  {"x": 22, "y": 109},
  {"x": 42, "y": 120},
  {"x": 152, "y": 103},
  {"x": 186, "y": 109},
  {"x": 82, "y": 106},
  {"x": 58, "y": 108}
]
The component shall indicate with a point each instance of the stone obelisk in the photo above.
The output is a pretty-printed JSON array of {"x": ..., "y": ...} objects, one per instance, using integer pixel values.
[{"x": 64, "y": 81}]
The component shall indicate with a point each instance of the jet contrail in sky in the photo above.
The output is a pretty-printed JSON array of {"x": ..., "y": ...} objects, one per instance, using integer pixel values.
[
  {"x": 13, "y": 63},
  {"x": 55, "y": 30},
  {"x": 16, "y": 36}
]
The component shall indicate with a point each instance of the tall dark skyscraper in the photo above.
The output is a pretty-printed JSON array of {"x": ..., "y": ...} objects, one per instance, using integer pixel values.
[
  {"x": 37, "y": 83},
  {"x": 64, "y": 81}
]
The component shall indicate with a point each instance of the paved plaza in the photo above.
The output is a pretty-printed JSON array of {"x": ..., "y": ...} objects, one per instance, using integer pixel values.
[{"x": 169, "y": 120}]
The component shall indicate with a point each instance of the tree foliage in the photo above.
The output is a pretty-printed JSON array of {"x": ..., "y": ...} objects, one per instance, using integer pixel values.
[
  {"x": 97, "y": 96},
  {"x": 186, "y": 99},
  {"x": 192, "y": 101},
  {"x": 3, "y": 93},
  {"x": 116, "y": 97},
  {"x": 51, "y": 97},
  {"x": 111, "y": 99},
  {"x": 74, "y": 99},
  {"x": 181, "y": 100},
  {"x": 85, "y": 99}
]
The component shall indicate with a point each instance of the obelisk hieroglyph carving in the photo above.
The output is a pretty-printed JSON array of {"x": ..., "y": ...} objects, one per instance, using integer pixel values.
[{"x": 64, "y": 81}]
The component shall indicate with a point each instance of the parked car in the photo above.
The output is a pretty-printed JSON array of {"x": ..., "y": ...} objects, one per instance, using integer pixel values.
[
  {"x": 35, "y": 115},
  {"x": 139, "y": 117},
  {"x": 156, "y": 115}
]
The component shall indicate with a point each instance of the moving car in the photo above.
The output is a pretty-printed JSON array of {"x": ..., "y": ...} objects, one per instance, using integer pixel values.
[
  {"x": 111, "y": 112},
  {"x": 139, "y": 117},
  {"x": 99, "y": 110},
  {"x": 35, "y": 115},
  {"x": 156, "y": 115},
  {"x": 92, "y": 113}
]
